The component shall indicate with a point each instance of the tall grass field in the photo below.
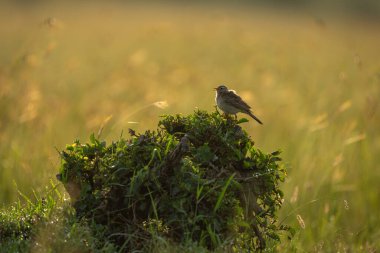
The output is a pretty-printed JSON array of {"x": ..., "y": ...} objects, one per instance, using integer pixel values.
[{"x": 314, "y": 80}]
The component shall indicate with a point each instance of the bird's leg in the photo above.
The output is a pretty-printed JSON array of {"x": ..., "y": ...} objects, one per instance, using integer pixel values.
[{"x": 228, "y": 116}]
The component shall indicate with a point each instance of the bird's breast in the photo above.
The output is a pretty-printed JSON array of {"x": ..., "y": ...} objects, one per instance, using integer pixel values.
[{"x": 225, "y": 106}]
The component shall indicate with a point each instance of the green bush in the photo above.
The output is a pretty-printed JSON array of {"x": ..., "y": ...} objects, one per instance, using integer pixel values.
[
  {"x": 48, "y": 224},
  {"x": 197, "y": 180}
]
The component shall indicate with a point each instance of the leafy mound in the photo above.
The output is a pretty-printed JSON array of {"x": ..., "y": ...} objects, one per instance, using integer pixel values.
[{"x": 198, "y": 180}]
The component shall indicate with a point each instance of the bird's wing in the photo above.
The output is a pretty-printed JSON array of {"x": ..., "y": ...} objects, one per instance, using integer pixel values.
[{"x": 235, "y": 100}]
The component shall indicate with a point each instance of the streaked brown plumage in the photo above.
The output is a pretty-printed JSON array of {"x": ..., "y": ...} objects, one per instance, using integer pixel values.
[{"x": 231, "y": 103}]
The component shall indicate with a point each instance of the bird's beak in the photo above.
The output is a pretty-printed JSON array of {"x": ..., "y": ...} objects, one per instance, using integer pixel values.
[{"x": 215, "y": 88}]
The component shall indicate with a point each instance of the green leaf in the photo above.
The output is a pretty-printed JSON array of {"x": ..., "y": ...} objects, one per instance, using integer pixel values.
[
  {"x": 242, "y": 120},
  {"x": 204, "y": 154},
  {"x": 247, "y": 164},
  {"x": 92, "y": 138}
]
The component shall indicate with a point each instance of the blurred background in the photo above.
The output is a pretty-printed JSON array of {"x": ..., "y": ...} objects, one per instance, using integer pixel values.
[{"x": 309, "y": 69}]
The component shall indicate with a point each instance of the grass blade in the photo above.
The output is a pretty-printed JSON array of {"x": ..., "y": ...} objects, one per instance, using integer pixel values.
[{"x": 222, "y": 193}]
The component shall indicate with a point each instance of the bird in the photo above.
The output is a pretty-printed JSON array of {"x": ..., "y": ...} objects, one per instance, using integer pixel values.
[{"x": 231, "y": 103}]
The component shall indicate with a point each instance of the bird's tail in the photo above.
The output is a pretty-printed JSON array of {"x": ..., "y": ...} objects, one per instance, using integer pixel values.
[{"x": 254, "y": 117}]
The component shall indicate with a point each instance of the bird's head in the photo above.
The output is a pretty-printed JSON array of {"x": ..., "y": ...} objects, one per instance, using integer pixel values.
[{"x": 221, "y": 89}]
